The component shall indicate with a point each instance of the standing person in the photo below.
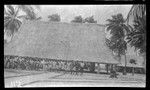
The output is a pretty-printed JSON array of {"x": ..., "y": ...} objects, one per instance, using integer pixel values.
[
  {"x": 15, "y": 63},
  {"x": 98, "y": 69},
  {"x": 27, "y": 64},
  {"x": 113, "y": 73},
  {"x": 30, "y": 64},
  {"x": 43, "y": 64},
  {"x": 72, "y": 66},
  {"x": 7, "y": 62},
  {"x": 81, "y": 67},
  {"x": 77, "y": 67},
  {"x": 34, "y": 65}
]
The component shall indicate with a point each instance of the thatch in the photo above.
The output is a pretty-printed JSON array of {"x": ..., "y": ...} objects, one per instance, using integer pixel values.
[{"x": 55, "y": 40}]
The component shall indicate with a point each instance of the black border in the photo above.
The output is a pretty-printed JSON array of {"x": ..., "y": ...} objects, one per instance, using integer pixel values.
[
  {"x": 58, "y": 2},
  {"x": 73, "y": 2}
]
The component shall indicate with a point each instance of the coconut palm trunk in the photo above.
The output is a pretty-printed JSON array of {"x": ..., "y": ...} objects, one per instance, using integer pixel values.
[
  {"x": 125, "y": 72},
  {"x": 144, "y": 62},
  {"x": 133, "y": 71}
]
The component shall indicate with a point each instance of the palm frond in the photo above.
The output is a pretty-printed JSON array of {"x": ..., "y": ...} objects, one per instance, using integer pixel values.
[
  {"x": 37, "y": 7},
  {"x": 110, "y": 27},
  {"x": 29, "y": 10},
  {"x": 6, "y": 13},
  {"x": 10, "y": 9},
  {"x": 7, "y": 18},
  {"x": 17, "y": 24},
  {"x": 7, "y": 21},
  {"x": 126, "y": 28},
  {"x": 22, "y": 16}
]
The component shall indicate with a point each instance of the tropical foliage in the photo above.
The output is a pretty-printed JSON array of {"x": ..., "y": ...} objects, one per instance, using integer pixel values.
[
  {"x": 78, "y": 19},
  {"x": 133, "y": 62},
  {"x": 54, "y": 17},
  {"x": 90, "y": 20},
  {"x": 12, "y": 18},
  {"x": 137, "y": 36},
  {"x": 30, "y": 11},
  {"x": 118, "y": 30}
]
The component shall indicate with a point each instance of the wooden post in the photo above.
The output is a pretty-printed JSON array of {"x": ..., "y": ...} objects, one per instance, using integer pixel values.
[
  {"x": 99, "y": 67},
  {"x": 107, "y": 68},
  {"x": 125, "y": 71},
  {"x": 112, "y": 68},
  {"x": 116, "y": 69}
]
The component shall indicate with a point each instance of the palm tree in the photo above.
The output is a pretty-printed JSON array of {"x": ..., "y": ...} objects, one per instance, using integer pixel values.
[
  {"x": 12, "y": 19},
  {"x": 118, "y": 30},
  {"x": 136, "y": 11},
  {"x": 29, "y": 10},
  {"x": 137, "y": 36}
]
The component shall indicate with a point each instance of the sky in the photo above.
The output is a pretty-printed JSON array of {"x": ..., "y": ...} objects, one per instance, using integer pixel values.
[{"x": 68, "y": 12}]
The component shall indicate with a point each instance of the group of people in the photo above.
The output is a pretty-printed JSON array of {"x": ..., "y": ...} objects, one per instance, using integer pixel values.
[
  {"x": 15, "y": 62},
  {"x": 28, "y": 63}
]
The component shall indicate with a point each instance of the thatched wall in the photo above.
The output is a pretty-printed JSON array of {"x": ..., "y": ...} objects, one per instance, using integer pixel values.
[{"x": 83, "y": 42}]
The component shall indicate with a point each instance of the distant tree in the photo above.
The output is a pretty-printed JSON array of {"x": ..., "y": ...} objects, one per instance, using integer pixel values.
[
  {"x": 133, "y": 62},
  {"x": 90, "y": 20},
  {"x": 54, "y": 17},
  {"x": 78, "y": 19}
]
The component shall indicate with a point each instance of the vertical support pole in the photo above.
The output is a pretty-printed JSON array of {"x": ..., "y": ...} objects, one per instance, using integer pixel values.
[
  {"x": 99, "y": 65},
  {"x": 107, "y": 68},
  {"x": 112, "y": 67}
]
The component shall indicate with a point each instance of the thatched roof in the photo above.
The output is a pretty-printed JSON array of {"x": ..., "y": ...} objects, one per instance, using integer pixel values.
[{"x": 56, "y": 40}]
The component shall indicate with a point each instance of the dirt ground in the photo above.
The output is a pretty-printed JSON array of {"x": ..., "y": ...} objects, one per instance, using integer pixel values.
[{"x": 22, "y": 78}]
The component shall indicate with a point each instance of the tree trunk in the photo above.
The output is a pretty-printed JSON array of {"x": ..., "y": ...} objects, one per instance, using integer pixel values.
[
  {"x": 119, "y": 59},
  {"x": 133, "y": 71},
  {"x": 107, "y": 68},
  {"x": 125, "y": 65},
  {"x": 144, "y": 62}
]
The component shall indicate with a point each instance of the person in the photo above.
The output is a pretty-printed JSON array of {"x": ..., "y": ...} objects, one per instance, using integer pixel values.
[
  {"x": 77, "y": 67},
  {"x": 113, "y": 73},
  {"x": 98, "y": 69},
  {"x": 7, "y": 64},
  {"x": 81, "y": 67},
  {"x": 72, "y": 66}
]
